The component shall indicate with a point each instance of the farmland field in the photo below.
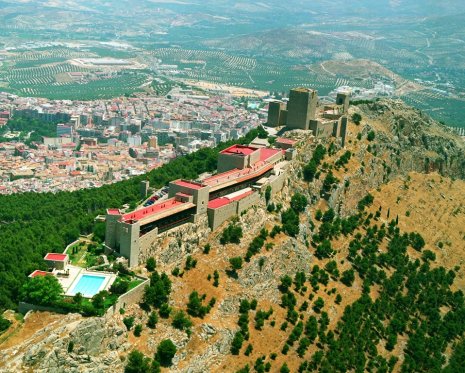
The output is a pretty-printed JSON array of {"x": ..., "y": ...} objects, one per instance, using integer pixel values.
[
  {"x": 222, "y": 68},
  {"x": 48, "y": 73},
  {"x": 416, "y": 52},
  {"x": 435, "y": 90}
]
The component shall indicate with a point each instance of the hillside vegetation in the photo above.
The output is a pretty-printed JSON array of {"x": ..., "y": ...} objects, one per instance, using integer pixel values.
[
  {"x": 32, "y": 224},
  {"x": 336, "y": 272}
]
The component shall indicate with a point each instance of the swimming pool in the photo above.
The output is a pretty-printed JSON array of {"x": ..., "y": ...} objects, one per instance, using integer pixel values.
[{"x": 88, "y": 285}]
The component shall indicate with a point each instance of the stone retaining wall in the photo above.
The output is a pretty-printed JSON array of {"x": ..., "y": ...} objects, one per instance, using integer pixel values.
[{"x": 132, "y": 296}]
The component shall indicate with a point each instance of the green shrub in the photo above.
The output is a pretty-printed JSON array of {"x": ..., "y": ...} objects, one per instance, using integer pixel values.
[
  {"x": 190, "y": 263},
  {"x": 151, "y": 264},
  {"x": 70, "y": 346},
  {"x": 195, "y": 306},
  {"x": 153, "y": 320},
  {"x": 42, "y": 291},
  {"x": 356, "y": 118},
  {"x": 137, "y": 363},
  {"x": 164, "y": 311},
  {"x": 165, "y": 352},
  {"x": 290, "y": 220},
  {"x": 138, "y": 330},
  {"x": 371, "y": 136},
  {"x": 129, "y": 322},
  {"x": 299, "y": 202},
  {"x": 216, "y": 278},
  {"x": 236, "y": 263},
  {"x": 237, "y": 342},
  {"x": 232, "y": 234},
  {"x": 181, "y": 321}
]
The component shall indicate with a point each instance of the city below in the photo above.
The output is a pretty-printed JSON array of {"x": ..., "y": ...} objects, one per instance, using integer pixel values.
[{"x": 105, "y": 141}]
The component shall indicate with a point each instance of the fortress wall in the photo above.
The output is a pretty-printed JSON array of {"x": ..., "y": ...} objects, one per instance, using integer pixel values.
[
  {"x": 218, "y": 216},
  {"x": 247, "y": 202},
  {"x": 324, "y": 129},
  {"x": 227, "y": 162},
  {"x": 277, "y": 182},
  {"x": 24, "y": 308},
  {"x": 111, "y": 230},
  {"x": 146, "y": 240},
  {"x": 254, "y": 157},
  {"x": 172, "y": 246},
  {"x": 129, "y": 242},
  {"x": 201, "y": 198},
  {"x": 131, "y": 297}
]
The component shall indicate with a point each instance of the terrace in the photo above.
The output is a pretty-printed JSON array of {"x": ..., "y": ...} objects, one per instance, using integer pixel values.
[
  {"x": 226, "y": 200},
  {"x": 283, "y": 140},
  {"x": 239, "y": 150},
  {"x": 157, "y": 211},
  {"x": 267, "y": 153},
  {"x": 235, "y": 176},
  {"x": 189, "y": 184}
]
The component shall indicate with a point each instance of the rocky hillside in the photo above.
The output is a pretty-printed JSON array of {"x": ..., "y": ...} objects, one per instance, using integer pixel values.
[{"x": 331, "y": 283}]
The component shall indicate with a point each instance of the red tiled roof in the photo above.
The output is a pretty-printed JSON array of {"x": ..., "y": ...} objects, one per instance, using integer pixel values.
[
  {"x": 237, "y": 176},
  {"x": 151, "y": 210},
  {"x": 113, "y": 212},
  {"x": 219, "y": 202},
  {"x": 39, "y": 273},
  {"x": 241, "y": 196},
  {"x": 283, "y": 140},
  {"x": 266, "y": 153},
  {"x": 210, "y": 180},
  {"x": 56, "y": 257},
  {"x": 239, "y": 150},
  {"x": 188, "y": 184},
  {"x": 223, "y": 201}
]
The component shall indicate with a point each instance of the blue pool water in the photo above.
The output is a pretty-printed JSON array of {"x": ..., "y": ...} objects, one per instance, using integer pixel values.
[{"x": 88, "y": 285}]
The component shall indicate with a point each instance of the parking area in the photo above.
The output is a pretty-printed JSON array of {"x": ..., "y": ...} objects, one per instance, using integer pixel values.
[{"x": 159, "y": 195}]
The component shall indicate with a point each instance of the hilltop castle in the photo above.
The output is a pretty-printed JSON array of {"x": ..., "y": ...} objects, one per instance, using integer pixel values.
[
  {"x": 301, "y": 113},
  {"x": 244, "y": 173}
]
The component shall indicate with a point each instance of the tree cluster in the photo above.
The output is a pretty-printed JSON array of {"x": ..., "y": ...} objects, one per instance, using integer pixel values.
[
  {"x": 137, "y": 362},
  {"x": 33, "y": 223},
  {"x": 195, "y": 306},
  {"x": 157, "y": 293},
  {"x": 310, "y": 169},
  {"x": 414, "y": 301},
  {"x": 231, "y": 234}
]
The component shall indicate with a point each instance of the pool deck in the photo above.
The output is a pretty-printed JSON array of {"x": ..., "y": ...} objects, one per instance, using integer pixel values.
[{"x": 75, "y": 273}]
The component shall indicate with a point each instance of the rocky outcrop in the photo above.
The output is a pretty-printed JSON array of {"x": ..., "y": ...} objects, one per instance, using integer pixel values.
[
  {"x": 213, "y": 356},
  {"x": 261, "y": 277},
  {"x": 415, "y": 141},
  {"x": 73, "y": 345},
  {"x": 405, "y": 141},
  {"x": 171, "y": 247}
]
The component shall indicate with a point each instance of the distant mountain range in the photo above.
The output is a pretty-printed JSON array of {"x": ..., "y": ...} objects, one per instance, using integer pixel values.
[{"x": 416, "y": 40}]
